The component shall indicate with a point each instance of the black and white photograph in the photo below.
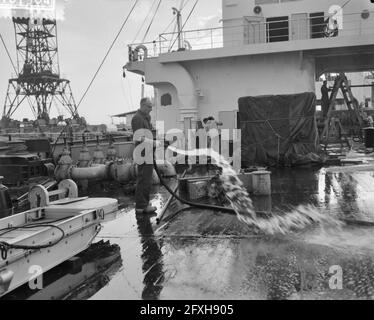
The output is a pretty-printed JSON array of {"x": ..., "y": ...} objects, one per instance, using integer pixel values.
[{"x": 186, "y": 155}]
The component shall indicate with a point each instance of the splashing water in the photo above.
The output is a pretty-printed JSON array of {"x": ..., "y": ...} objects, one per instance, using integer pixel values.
[{"x": 297, "y": 219}]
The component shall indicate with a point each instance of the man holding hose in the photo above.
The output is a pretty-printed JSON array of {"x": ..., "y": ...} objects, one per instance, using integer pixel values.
[{"x": 141, "y": 127}]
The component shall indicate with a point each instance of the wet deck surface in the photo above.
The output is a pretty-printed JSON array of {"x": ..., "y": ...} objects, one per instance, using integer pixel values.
[{"x": 208, "y": 255}]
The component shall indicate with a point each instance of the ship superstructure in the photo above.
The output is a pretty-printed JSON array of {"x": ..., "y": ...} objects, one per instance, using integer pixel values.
[{"x": 264, "y": 47}]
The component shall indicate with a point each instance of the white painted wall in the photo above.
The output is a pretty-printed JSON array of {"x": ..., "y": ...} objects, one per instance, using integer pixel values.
[
  {"x": 216, "y": 84},
  {"x": 224, "y": 81},
  {"x": 168, "y": 114},
  {"x": 234, "y": 11},
  {"x": 174, "y": 74}
]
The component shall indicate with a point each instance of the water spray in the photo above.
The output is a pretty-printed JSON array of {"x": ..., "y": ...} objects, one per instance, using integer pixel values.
[{"x": 241, "y": 203}]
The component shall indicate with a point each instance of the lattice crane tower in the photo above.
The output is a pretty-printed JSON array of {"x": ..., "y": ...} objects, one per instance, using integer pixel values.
[{"x": 38, "y": 81}]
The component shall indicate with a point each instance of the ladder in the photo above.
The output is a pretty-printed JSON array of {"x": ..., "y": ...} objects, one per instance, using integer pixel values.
[
  {"x": 342, "y": 83},
  {"x": 352, "y": 103}
]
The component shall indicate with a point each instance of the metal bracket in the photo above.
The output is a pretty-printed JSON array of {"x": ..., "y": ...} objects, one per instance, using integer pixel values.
[{"x": 101, "y": 214}]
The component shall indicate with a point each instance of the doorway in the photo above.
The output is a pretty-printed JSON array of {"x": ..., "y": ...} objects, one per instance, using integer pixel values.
[
  {"x": 254, "y": 30},
  {"x": 299, "y": 26}
]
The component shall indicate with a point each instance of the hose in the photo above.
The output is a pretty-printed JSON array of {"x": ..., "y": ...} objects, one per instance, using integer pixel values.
[
  {"x": 187, "y": 202},
  {"x": 5, "y": 247},
  {"x": 172, "y": 216}
]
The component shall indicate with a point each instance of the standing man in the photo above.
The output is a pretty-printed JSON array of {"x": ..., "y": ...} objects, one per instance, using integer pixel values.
[
  {"x": 142, "y": 120},
  {"x": 325, "y": 99},
  {"x": 335, "y": 28}
]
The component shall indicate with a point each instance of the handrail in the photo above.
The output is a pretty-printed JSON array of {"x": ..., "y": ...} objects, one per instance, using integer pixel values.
[{"x": 217, "y": 37}]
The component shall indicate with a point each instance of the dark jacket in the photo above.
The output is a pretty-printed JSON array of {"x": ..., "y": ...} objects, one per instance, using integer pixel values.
[
  {"x": 141, "y": 121},
  {"x": 325, "y": 93}
]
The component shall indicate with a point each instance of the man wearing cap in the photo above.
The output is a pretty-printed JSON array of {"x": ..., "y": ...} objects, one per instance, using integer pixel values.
[{"x": 142, "y": 120}]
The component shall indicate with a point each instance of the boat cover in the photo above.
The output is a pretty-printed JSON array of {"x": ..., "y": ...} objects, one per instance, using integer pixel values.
[{"x": 279, "y": 129}]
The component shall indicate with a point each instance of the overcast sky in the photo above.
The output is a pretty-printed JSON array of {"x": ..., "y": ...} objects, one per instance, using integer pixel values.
[{"x": 85, "y": 33}]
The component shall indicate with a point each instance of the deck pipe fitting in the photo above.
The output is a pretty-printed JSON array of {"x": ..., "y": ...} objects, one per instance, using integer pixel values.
[
  {"x": 112, "y": 171},
  {"x": 98, "y": 156},
  {"x": 111, "y": 154},
  {"x": 50, "y": 169},
  {"x": 97, "y": 172},
  {"x": 122, "y": 172},
  {"x": 84, "y": 159},
  {"x": 64, "y": 165}
]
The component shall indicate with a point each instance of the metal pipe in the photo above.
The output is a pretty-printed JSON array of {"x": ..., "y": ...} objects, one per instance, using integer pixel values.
[
  {"x": 120, "y": 172},
  {"x": 99, "y": 172}
]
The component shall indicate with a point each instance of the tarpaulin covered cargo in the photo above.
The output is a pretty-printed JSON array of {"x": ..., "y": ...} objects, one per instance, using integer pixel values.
[{"x": 279, "y": 129}]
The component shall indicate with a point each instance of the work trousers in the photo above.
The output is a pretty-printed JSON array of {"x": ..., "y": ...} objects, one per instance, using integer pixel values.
[
  {"x": 143, "y": 185},
  {"x": 325, "y": 108}
]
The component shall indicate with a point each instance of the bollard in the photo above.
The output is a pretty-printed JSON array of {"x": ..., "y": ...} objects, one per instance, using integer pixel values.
[{"x": 261, "y": 183}]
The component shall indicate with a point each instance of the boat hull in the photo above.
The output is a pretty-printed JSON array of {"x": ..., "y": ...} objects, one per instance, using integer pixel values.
[{"x": 80, "y": 220}]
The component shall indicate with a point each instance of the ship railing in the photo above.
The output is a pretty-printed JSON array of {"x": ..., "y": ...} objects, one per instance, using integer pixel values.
[
  {"x": 54, "y": 136},
  {"x": 254, "y": 33}
]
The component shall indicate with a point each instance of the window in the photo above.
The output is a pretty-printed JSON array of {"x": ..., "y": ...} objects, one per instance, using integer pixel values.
[
  {"x": 277, "y": 29},
  {"x": 166, "y": 100},
  {"x": 317, "y": 24}
]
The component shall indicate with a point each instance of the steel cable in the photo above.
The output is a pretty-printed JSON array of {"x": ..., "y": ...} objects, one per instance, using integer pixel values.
[{"x": 107, "y": 53}]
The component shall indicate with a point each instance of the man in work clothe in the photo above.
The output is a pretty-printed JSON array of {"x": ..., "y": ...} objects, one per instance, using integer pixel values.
[
  {"x": 142, "y": 120},
  {"x": 325, "y": 99}
]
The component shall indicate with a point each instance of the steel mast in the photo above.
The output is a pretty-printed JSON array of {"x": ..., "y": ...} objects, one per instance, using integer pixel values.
[{"x": 38, "y": 81}]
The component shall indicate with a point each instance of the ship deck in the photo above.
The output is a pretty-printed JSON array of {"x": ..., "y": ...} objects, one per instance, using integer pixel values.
[{"x": 202, "y": 254}]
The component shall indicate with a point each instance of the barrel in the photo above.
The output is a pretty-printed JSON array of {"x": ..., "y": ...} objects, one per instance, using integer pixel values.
[
  {"x": 369, "y": 137},
  {"x": 247, "y": 180},
  {"x": 194, "y": 188},
  {"x": 261, "y": 183}
]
